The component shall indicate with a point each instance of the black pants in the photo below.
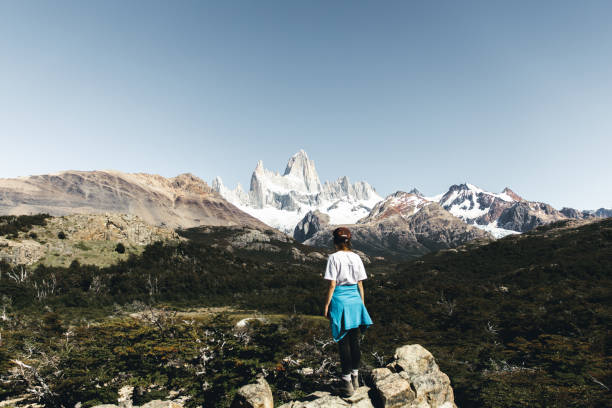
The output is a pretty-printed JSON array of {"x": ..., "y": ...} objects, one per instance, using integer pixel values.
[{"x": 350, "y": 355}]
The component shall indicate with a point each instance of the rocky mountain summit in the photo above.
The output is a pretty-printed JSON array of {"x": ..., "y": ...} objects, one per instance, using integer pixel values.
[
  {"x": 404, "y": 225},
  {"x": 283, "y": 200},
  {"x": 182, "y": 201},
  {"x": 312, "y": 222},
  {"x": 503, "y": 213},
  {"x": 411, "y": 380}
]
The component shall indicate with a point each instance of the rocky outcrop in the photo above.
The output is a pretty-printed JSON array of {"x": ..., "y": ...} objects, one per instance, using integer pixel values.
[
  {"x": 431, "y": 387},
  {"x": 411, "y": 380},
  {"x": 512, "y": 194},
  {"x": 150, "y": 404},
  {"x": 257, "y": 395},
  {"x": 574, "y": 213},
  {"x": 527, "y": 215},
  {"x": 603, "y": 213},
  {"x": 79, "y": 231},
  {"x": 125, "y": 401},
  {"x": 323, "y": 399},
  {"x": 182, "y": 201},
  {"x": 586, "y": 214},
  {"x": 126, "y": 228},
  {"x": 312, "y": 222}
]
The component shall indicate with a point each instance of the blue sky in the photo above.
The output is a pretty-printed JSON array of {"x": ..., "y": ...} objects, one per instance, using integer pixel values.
[{"x": 400, "y": 94}]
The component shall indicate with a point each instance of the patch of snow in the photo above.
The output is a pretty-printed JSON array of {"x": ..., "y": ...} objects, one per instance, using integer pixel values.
[
  {"x": 282, "y": 220},
  {"x": 464, "y": 211},
  {"x": 346, "y": 212},
  {"x": 495, "y": 230},
  {"x": 449, "y": 200}
]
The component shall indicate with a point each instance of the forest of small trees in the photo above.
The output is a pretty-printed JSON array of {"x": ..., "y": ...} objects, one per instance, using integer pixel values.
[{"x": 523, "y": 321}]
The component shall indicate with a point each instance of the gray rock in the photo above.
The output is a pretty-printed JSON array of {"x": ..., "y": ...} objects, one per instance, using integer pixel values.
[
  {"x": 411, "y": 380},
  {"x": 524, "y": 216},
  {"x": 161, "y": 404},
  {"x": 297, "y": 254},
  {"x": 318, "y": 399},
  {"x": 258, "y": 395},
  {"x": 125, "y": 396},
  {"x": 393, "y": 389},
  {"x": 316, "y": 256},
  {"x": 430, "y": 385},
  {"x": 321, "y": 399}
]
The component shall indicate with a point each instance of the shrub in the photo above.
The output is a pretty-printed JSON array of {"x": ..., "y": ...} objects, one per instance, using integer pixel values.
[
  {"x": 61, "y": 235},
  {"x": 120, "y": 248},
  {"x": 82, "y": 246}
]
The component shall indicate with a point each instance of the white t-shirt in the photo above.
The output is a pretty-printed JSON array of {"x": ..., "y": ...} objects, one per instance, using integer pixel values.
[{"x": 345, "y": 267}]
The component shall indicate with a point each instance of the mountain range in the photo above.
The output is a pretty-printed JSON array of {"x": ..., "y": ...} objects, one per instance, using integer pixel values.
[{"x": 296, "y": 202}]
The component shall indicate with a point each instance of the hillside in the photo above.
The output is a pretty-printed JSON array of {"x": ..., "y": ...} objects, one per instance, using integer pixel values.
[
  {"x": 85, "y": 238},
  {"x": 521, "y": 321},
  {"x": 181, "y": 201}
]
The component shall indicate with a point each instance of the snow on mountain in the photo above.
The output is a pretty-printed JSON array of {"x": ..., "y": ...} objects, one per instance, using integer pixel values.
[
  {"x": 496, "y": 231},
  {"x": 401, "y": 203},
  {"x": 281, "y": 201},
  {"x": 502, "y": 213},
  {"x": 476, "y": 206}
]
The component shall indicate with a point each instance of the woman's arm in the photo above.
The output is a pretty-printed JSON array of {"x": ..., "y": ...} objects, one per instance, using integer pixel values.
[
  {"x": 360, "y": 285},
  {"x": 330, "y": 293}
]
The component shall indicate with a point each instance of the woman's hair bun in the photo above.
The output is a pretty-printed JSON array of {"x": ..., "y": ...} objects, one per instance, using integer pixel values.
[{"x": 342, "y": 233}]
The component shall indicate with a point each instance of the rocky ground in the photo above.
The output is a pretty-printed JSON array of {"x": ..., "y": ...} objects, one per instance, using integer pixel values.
[
  {"x": 411, "y": 380},
  {"x": 87, "y": 238}
]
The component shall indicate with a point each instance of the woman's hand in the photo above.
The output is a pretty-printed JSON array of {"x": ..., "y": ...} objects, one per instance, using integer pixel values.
[{"x": 330, "y": 293}]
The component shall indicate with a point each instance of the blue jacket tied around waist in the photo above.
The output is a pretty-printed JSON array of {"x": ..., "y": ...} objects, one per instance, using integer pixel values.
[{"x": 347, "y": 311}]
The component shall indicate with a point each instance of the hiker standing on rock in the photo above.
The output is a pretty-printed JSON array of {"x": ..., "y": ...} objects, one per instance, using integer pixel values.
[{"x": 345, "y": 306}]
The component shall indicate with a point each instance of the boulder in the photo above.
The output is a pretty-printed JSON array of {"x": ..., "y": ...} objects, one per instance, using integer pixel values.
[
  {"x": 322, "y": 399},
  {"x": 317, "y": 256},
  {"x": 318, "y": 399},
  {"x": 257, "y": 395},
  {"x": 430, "y": 385},
  {"x": 411, "y": 380},
  {"x": 125, "y": 396},
  {"x": 297, "y": 254},
  {"x": 393, "y": 389}
]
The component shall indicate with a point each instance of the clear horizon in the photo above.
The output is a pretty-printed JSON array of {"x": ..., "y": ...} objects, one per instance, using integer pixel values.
[{"x": 398, "y": 94}]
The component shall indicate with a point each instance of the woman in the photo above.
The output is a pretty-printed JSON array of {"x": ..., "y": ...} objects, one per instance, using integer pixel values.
[{"x": 345, "y": 306}]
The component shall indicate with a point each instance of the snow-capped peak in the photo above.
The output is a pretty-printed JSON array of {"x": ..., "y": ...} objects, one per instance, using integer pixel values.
[
  {"x": 508, "y": 192},
  {"x": 399, "y": 203},
  {"x": 302, "y": 168},
  {"x": 282, "y": 200}
]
